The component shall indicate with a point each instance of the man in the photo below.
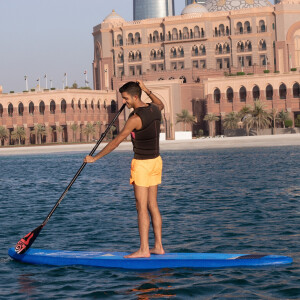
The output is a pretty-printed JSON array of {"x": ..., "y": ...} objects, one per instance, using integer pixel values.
[{"x": 144, "y": 126}]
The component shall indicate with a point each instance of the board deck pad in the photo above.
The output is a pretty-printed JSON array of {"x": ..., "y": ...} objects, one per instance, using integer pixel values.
[{"x": 168, "y": 260}]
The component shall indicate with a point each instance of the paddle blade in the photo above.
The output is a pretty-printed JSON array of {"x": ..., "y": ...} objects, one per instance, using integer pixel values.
[{"x": 24, "y": 244}]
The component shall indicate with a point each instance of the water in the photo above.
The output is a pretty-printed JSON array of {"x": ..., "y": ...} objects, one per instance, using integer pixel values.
[{"x": 233, "y": 200}]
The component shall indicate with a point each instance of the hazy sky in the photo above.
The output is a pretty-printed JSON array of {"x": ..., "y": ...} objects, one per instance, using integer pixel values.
[{"x": 52, "y": 37}]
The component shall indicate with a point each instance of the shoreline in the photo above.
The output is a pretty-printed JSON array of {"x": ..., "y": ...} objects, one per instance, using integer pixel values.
[{"x": 170, "y": 145}]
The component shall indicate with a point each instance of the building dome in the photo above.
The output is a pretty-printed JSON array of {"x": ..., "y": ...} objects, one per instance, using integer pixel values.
[
  {"x": 225, "y": 5},
  {"x": 113, "y": 17},
  {"x": 194, "y": 8}
]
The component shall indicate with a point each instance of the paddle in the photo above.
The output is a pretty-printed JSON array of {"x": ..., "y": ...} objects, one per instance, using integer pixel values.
[{"x": 25, "y": 243}]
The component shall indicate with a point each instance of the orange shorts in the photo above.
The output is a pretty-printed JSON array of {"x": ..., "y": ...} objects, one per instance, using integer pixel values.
[{"x": 146, "y": 172}]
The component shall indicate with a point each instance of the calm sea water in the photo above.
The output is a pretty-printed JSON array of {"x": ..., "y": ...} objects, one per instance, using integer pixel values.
[{"x": 233, "y": 200}]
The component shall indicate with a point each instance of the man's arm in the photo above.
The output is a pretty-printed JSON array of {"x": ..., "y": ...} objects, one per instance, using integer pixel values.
[
  {"x": 132, "y": 123},
  {"x": 153, "y": 98}
]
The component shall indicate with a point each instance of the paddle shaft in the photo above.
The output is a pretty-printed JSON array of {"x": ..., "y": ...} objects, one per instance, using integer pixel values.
[{"x": 82, "y": 166}]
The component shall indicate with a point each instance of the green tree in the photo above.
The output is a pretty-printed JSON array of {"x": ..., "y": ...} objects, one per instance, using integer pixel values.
[
  {"x": 211, "y": 119},
  {"x": 99, "y": 126},
  {"x": 259, "y": 117},
  {"x": 111, "y": 131},
  {"x": 185, "y": 118},
  {"x": 59, "y": 131},
  {"x": 40, "y": 132},
  {"x": 88, "y": 130},
  {"x": 3, "y": 134},
  {"x": 74, "y": 128},
  {"x": 18, "y": 134},
  {"x": 283, "y": 116},
  {"x": 274, "y": 118},
  {"x": 244, "y": 114},
  {"x": 231, "y": 120}
]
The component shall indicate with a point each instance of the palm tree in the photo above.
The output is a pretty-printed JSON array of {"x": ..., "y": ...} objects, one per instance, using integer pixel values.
[
  {"x": 185, "y": 118},
  {"x": 59, "y": 130},
  {"x": 18, "y": 134},
  {"x": 74, "y": 128},
  {"x": 245, "y": 113},
  {"x": 274, "y": 118},
  {"x": 99, "y": 125},
  {"x": 89, "y": 129},
  {"x": 3, "y": 134},
  {"x": 111, "y": 131},
  {"x": 40, "y": 132},
  {"x": 283, "y": 116},
  {"x": 211, "y": 119},
  {"x": 231, "y": 120},
  {"x": 259, "y": 117}
]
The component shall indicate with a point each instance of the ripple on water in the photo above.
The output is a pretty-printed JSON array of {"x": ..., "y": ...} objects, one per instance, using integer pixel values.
[{"x": 230, "y": 200}]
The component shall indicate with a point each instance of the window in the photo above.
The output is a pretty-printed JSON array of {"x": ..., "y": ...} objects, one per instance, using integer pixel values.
[
  {"x": 243, "y": 94},
  {"x": 255, "y": 92},
  {"x": 42, "y": 107},
  {"x": 10, "y": 110},
  {"x": 21, "y": 109},
  {"x": 52, "y": 107},
  {"x": 269, "y": 92},
  {"x": 79, "y": 104},
  {"x": 1, "y": 110},
  {"x": 31, "y": 108},
  {"x": 296, "y": 90},
  {"x": 217, "y": 95},
  {"x": 229, "y": 94},
  {"x": 282, "y": 91},
  {"x": 63, "y": 106},
  {"x": 113, "y": 106}
]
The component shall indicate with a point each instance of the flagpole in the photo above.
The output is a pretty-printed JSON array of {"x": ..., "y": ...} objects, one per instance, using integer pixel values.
[
  {"x": 26, "y": 83},
  {"x": 46, "y": 81}
]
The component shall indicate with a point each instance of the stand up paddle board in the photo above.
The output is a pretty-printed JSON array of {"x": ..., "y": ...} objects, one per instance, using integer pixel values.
[{"x": 168, "y": 260}]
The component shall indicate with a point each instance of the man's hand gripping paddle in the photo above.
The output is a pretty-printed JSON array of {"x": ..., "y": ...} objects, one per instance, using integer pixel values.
[{"x": 25, "y": 243}]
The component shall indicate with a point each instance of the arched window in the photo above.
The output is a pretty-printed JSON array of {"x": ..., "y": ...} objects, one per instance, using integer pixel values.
[
  {"x": 160, "y": 53},
  {"x": 72, "y": 104},
  {"x": 183, "y": 78},
  {"x": 131, "y": 56},
  {"x": 173, "y": 52},
  {"x": 120, "y": 57},
  {"x": 42, "y": 108},
  {"x": 202, "y": 49},
  {"x": 269, "y": 92},
  {"x": 31, "y": 108},
  {"x": 247, "y": 27},
  {"x": 10, "y": 110},
  {"x": 85, "y": 104},
  {"x": 174, "y": 34},
  {"x": 20, "y": 109},
  {"x": 63, "y": 106},
  {"x": 221, "y": 29},
  {"x": 185, "y": 33},
  {"x": 239, "y": 28},
  {"x": 248, "y": 46},
  {"x": 138, "y": 55},
  {"x": 196, "y": 32},
  {"x": 219, "y": 49},
  {"x": 120, "y": 40},
  {"x": 152, "y": 54},
  {"x": 52, "y": 107},
  {"x": 92, "y": 105},
  {"x": 155, "y": 36},
  {"x": 255, "y": 92},
  {"x": 195, "y": 51},
  {"x": 137, "y": 38},
  {"x": 113, "y": 106},
  {"x": 130, "y": 39},
  {"x": 240, "y": 46},
  {"x": 217, "y": 95},
  {"x": 226, "y": 48},
  {"x": 181, "y": 51},
  {"x": 262, "y": 26},
  {"x": 243, "y": 94},
  {"x": 98, "y": 105},
  {"x": 296, "y": 90},
  {"x": 262, "y": 45},
  {"x": 229, "y": 94},
  {"x": 282, "y": 91},
  {"x": 79, "y": 104},
  {"x": 1, "y": 110}
]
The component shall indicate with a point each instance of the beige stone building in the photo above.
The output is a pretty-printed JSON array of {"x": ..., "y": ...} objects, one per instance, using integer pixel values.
[{"x": 201, "y": 48}]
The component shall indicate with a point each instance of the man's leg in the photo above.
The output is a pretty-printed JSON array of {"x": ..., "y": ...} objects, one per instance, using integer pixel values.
[
  {"x": 156, "y": 220},
  {"x": 141, "y": 197}
]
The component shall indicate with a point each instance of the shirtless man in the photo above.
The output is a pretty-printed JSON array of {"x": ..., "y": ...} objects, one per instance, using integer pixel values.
[{"x": 146, "y": 168}]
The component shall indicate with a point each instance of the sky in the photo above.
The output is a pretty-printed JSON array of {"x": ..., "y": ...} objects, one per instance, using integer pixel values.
[{"x": 53, "y": 37}]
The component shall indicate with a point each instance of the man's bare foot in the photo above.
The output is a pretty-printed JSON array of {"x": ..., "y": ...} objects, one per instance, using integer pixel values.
[
  {"x": 157, "y": 250},
  {"x": 138, "y": 254}
]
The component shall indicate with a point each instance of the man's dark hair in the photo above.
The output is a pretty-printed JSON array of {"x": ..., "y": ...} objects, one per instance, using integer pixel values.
[{"x": 132, "y": 88}]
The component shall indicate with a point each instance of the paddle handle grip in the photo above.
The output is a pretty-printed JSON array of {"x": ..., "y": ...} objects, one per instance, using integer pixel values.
[{"x": 83, "y": 165}]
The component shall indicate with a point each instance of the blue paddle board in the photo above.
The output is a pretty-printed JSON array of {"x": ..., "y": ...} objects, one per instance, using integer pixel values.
[{"x": 168, "y": 260}]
